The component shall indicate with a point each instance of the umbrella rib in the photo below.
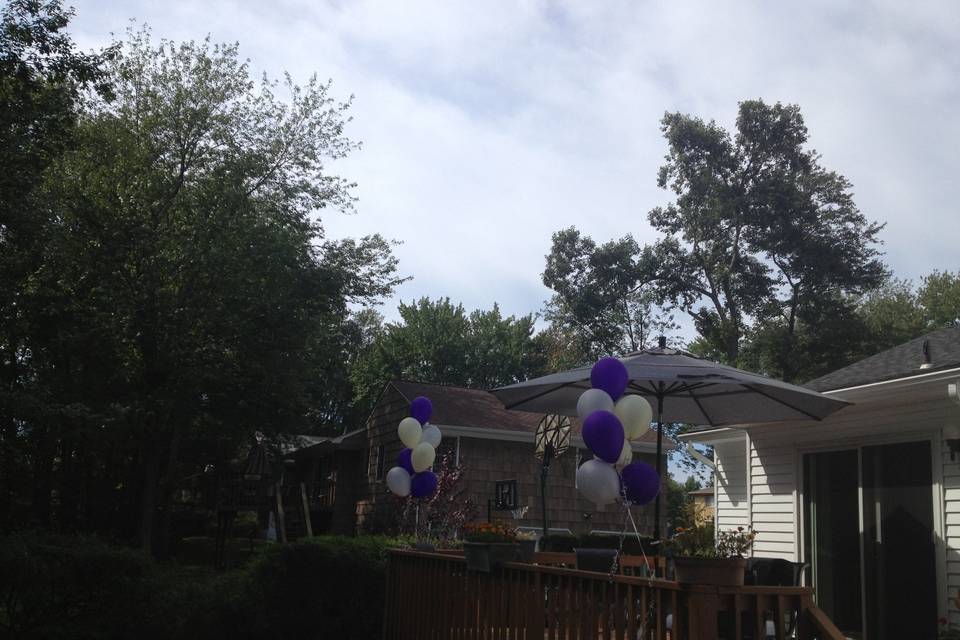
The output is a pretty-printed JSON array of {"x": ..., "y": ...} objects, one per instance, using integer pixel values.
[
  {"x": 700, "y": 406},
  {"x": 786, "y": 404},
  {"x": 542, "y": 393}
]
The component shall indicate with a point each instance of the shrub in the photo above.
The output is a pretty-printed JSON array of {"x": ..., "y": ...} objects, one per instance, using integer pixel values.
[
  {"x": 56, "y": 586},
  {"x": 330, "y": 587}
]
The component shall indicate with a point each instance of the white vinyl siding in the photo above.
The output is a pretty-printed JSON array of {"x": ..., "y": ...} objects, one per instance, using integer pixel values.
[
  {"x": 776, "y": 454},
  {"x": 731, "y": 481}
]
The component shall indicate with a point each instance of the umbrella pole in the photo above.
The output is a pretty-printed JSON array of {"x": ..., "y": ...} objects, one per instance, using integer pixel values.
[{"x": 656, "y": 513}]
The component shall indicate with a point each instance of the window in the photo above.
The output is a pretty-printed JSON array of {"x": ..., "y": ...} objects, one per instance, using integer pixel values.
[
  {"x": 381, "y": 462},
  {"x": 708, "y": 501}
]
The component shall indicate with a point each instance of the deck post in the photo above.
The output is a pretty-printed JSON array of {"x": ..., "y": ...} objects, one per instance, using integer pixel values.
[{"x": 703, "y": 607}]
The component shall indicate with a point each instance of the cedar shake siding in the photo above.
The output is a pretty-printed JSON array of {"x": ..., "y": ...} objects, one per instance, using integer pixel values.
[{"x": 492, "y": 444}]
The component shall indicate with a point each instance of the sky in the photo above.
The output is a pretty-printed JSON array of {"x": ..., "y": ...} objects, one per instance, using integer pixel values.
[{"x": 488, "y": 126}]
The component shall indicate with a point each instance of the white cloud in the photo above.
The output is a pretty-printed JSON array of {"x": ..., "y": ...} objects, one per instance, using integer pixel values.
[{"x": 487, "y": 126}]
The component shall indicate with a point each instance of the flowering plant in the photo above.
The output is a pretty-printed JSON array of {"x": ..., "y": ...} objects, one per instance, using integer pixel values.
[
  {"x": 699, "y": 542},
  {"x": 489, "y": 532}
]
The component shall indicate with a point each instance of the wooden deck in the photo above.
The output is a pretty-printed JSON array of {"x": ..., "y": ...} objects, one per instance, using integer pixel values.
[{"x": 433, "y": 596}]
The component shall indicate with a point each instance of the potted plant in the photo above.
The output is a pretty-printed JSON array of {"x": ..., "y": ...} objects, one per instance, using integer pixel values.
[
  {"x": 488, "y": 545},
  {"x": 526, "y": 545},
  {"x": 698, "y": 558}
]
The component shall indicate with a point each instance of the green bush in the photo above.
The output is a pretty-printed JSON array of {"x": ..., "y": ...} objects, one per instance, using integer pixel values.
[
  {"x": 58, "y": 587},
  {"x": 326, "y": 587}
]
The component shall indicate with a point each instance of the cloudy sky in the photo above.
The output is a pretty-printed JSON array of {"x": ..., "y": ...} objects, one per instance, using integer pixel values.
[{"x": 487, "y": 126}]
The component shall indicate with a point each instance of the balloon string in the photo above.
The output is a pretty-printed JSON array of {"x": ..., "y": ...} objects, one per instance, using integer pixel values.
[{"x": 639, "y": 541}]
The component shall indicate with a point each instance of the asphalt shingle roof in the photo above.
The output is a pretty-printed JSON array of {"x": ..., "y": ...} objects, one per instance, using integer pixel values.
[
  {"x": 902, "y": 361},
  {"x": 463, "y": 407}
]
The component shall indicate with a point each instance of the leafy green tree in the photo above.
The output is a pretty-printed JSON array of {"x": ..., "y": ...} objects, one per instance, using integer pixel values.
[
  {"x": 939, "y": 297},
  {"x": 600, "y": 295},
  {"x": 438, "y": 341},
  {"x": 188, "y": 294},
  {"x": 677, "y": 499},
  {"x": 759, "y": 232},
  {"x": 42, "y": 78}
]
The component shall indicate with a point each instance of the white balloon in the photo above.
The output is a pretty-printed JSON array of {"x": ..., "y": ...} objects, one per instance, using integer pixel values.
[
  {"x": 593, "y": 400},
  {"x": 635, "y": 415},
  {"x": 431, "y": 435},
  {"x": 423, "y": 456},
  {"x": 410, "y": 432},
  {"x": 598, "y": 481},
  {"x": 398, "y": 481},
  {"x": 626, "y": 455}
]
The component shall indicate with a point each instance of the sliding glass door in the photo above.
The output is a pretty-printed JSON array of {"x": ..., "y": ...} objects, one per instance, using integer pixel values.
[
  {"x": 832, "y": 537},
  {"x": 899, "y": 549},
  {"x": 869, "y": 537}
]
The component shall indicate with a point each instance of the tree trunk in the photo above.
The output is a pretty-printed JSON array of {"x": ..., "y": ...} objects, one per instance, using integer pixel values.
[
  {"x": 168, "y": 487},
  {"x": 148, "y": 493}
]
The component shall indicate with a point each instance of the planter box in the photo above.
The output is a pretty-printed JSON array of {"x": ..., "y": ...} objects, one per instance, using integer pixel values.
[
  {"x": 485, "y": 556},
  {"x": 600, "y": 560},
  {"x": 726, "y": 572}
]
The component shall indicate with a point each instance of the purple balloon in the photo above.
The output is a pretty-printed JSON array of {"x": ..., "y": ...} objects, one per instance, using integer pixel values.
[
  {"x": 423, "y": 484},
  {"x": 610, "y": 375},
  {"x": 640, "y": 482},
  {"x": 421, "y": 408},
  {"x": 603, "y": 433},
  {"x": 404, "y": 461}
]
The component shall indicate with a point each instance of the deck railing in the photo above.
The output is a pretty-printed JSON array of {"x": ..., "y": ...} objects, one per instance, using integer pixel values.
[{"x": 432, "y": 596}]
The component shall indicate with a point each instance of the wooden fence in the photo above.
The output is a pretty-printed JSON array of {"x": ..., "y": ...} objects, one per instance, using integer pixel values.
[{"x": 432, "y": 596}]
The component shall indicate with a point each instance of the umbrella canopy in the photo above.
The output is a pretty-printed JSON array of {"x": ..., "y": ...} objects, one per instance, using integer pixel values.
[
  {"x": 689, "y": 389},
  {"x": 682, "y": 388}
]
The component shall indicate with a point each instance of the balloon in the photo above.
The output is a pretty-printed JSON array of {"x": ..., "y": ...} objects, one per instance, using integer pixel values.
[
  {"x": 626, "y": 455},
  {"x": 403, "y": 461},
  {"x": 640, "y": 482},
  {"x": 598, "y": 482},
  {"x": 593, "y": 400},
  {"x": 410, "y": 432},
  {"x": 603, "y": 433},
  {"x": 421, "y": 408},
  {"x": 398, "y": 481},
  {"x": 423, "y": 484},
  {"x": 431, "y": 435},
  {"x": 635, "y": 415},
  {"x": 610, "y": 375},
  {"x": 423, "y": 456}
]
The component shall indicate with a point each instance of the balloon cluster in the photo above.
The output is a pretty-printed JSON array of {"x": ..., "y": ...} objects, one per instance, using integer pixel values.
[
  {"x": 413, "y": 476},
  {"x": 610, "y": 421}
]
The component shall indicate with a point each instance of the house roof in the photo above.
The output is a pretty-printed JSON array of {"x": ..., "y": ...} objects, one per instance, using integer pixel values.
[
  {"x": 706, "y": 491},
  {"x": 463, "y": 407},
  {"x": 939, "y": 349}
]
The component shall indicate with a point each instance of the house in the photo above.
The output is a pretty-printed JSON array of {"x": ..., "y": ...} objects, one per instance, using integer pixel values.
[
  {"x": 345, "y": 476},
  {"x": 703, "y": 501},
  {"x": 869, "y": 497}
]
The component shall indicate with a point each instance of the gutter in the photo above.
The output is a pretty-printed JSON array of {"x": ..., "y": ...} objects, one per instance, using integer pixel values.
[{"x": 507, "y": 435}]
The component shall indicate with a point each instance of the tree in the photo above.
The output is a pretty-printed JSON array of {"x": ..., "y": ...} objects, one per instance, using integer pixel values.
[
  {"x": 188, "y": 294},
  {"x": 678, "y": 500},
  {"x": 759, "y": 233},
  {"x": 437, "y": 341},
  {"x": 42, "y": 78},
  {"x": 600, "y": 298},
  {"x": 939, "y": 297}
]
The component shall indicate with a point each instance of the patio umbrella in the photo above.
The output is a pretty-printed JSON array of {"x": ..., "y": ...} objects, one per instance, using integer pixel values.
[{"x": 682, "y": 388}]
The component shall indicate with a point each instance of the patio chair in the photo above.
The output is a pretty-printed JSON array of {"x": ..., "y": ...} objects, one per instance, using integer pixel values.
[{"x": 777, "y": 572}]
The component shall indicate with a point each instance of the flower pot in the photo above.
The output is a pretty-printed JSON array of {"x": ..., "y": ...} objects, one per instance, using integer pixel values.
[
  {"x": 595, "y": 559},
  {"x": 727, "y": 572},
  {"x": 485, "y": 556},
  {"x": 525, "y": 550}
]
